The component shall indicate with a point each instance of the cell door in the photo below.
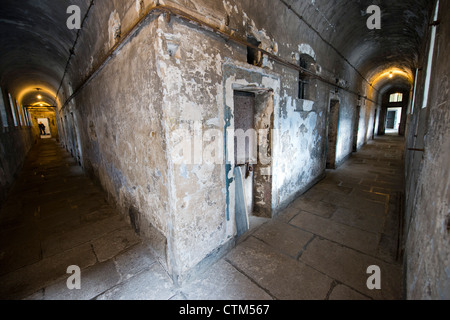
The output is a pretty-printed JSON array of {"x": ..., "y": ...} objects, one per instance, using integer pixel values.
[{"x": 244, "y": 157}]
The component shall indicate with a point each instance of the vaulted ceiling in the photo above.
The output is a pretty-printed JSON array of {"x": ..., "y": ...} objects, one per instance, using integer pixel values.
[
  {"x": 35, "y": 42},
  {"x": 374, "y": 53},
  {"x": 34, "y": 47}
]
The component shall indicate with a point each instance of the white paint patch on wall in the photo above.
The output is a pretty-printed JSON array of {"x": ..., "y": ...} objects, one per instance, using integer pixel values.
[
  {"x": 305, "y": 48},
  {"x": 297, "y": 140},
  {"x": 191, "y": 100},
  {"x": 229, "y": 8},
  {"x": 114, "y": 28}
]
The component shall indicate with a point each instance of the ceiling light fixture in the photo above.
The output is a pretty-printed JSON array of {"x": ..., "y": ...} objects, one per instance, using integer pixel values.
[{"x": 39, "y": 96}]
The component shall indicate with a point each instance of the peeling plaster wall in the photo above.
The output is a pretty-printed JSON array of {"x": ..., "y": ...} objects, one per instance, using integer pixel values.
[
  {"x": 105, "y": 26},
  {"x": 122, "y": 142},
  {"x": 299, "y": 152},
  {"x": 192, "y": 83},
  {"x": 123, "y": 124},
  {"x": 191, "y": 78},
  {"x": 427, "y": 223},
  {"x": 302, "y": 124}
]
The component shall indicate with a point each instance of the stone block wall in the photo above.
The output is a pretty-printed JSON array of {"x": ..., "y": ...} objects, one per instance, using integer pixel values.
[{"x": 427, "y": 218}]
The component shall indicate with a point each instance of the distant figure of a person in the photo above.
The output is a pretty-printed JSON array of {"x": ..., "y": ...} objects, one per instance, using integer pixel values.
[{"x": 42, "y": 128}]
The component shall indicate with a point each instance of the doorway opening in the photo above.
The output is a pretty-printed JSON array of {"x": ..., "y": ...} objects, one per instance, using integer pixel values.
[
  {"x": 44, "y": 128},
  {"x": 393, "y": 119},
  {"x": 244, "y": 158},
  {"x": 44, "y": 122},
  {"x": 253, "y": 124},
  {"x": 333, "y": 130}
]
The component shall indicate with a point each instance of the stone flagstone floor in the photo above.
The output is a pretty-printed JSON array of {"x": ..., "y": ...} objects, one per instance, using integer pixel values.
[{"x": 318, "y": 248}]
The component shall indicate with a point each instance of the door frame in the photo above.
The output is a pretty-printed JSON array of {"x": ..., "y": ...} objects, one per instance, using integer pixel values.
[{"x": 243, "y": 77}]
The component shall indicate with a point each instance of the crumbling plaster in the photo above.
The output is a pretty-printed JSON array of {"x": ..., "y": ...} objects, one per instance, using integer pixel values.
[{"x": 127, "y": 137}]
